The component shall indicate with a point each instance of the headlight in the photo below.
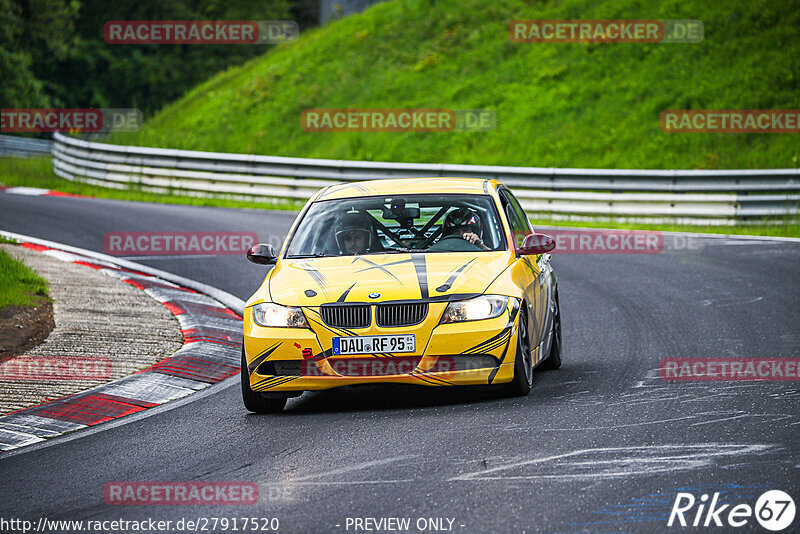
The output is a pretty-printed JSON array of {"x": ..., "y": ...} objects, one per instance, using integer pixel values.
[
  {"x": 483, "y": 307},
  {"x": 268, "y": 314}
]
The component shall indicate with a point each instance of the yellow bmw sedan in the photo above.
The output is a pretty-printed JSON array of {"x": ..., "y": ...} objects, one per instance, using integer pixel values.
[{"x": 426, "y": 281}]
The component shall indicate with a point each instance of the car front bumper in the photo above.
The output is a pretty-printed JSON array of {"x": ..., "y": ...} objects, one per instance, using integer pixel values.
[{"x": 468, "y": 353}]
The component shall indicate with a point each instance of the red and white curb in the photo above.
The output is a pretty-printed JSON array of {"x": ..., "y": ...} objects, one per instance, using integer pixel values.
[
  {"x": 37, "y": 192},
  {"x": 211, "y": 352}
]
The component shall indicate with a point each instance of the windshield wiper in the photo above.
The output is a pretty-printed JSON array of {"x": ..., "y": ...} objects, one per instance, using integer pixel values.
[
  {"x": 314, "y": 255},
  {"x": 401, "y": 250}
]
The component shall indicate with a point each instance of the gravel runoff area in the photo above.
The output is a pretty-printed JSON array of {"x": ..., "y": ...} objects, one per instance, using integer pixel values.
[{"x": 103, "y": 325}]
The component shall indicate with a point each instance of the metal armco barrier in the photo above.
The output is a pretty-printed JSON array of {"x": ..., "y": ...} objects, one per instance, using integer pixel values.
[
  {"x": 693, "y": 197},
  {"x": 22, "y": 147}
]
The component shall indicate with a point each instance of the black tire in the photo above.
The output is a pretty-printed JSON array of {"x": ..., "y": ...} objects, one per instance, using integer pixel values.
[
  {"x": 520, "y": 385},
  {"x": 253, "y": 401},
  {"x": 553, "y": 360}
]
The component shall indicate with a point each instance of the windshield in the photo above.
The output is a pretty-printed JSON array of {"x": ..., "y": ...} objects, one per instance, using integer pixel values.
[{"x": 408, "y": 223}]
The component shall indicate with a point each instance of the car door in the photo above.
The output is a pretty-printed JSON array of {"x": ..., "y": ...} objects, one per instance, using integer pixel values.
[{"x": 538, "y": 286}]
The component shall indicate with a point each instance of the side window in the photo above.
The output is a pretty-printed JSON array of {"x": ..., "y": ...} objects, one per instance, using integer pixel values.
[
  {"x": 516, "y": 217},
  {"x": 526, "y": 223}
]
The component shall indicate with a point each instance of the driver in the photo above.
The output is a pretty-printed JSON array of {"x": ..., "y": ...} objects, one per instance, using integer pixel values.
[
  {"x": 353, "y": 234},
  {"x": 464, "y": 223}
]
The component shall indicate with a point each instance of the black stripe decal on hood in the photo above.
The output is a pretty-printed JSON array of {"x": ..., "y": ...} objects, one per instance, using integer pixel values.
[
  {"x": 318, "y": 277},
  {"x": 435, "y": 298},
  {"x": 422, "y": 274},
  {"x": 447, "y": 285},
  {"x": 346, "y": 292},
  {"x": 376, "y": 266}
]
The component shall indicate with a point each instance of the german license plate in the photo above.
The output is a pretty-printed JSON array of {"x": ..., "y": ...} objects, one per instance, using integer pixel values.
[{"x": 374, "y": 344}]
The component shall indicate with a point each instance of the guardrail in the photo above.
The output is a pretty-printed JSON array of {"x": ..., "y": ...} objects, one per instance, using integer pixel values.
[
  {"x": 22, "y": 147},
  {"x": 694, "y": 197}
]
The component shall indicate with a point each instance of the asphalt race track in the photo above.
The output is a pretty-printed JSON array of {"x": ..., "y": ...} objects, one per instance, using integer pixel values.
[{"x": 601, "y": 445}]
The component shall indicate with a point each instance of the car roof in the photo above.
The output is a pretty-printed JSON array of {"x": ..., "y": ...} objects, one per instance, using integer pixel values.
[{"x": 409, "y": 186}]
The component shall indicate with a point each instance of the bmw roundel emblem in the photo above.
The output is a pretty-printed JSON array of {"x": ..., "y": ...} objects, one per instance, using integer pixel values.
[{"x": 374, "y": 295}]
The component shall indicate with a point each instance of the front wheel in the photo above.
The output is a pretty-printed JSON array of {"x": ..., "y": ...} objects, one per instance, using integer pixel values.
[
  {"x": 523, "y": 362},
  {"x": 252, "y": 400}
]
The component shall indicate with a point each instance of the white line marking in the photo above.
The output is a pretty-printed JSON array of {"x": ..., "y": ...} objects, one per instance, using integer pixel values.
[
  {"x": 348, "y": 469},
  {"x": 731, "y": 301},
  {"x": 660, "y": 421},
  {"x": 343, "y": 483},
  {"x": 630, "y": 461},
  {"x": 64, "y": 256},
  {"x": 28, "y": 191},
  {"x": 720, "y": 420}
]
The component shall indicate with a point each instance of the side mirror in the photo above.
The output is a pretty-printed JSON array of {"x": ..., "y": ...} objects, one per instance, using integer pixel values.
[
  {"x": 262, "y": 254},
  {"x": 536, "y": 244}
]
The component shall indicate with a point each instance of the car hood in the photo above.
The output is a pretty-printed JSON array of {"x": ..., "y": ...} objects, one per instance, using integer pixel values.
[{"x": 315, "y": 281}]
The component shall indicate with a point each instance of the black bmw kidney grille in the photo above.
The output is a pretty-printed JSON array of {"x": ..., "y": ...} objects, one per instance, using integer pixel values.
[
  {"x": 400, "y": 314},
  {"x": 352, "y": 316},
  {"x": 386, "y": 315}
]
